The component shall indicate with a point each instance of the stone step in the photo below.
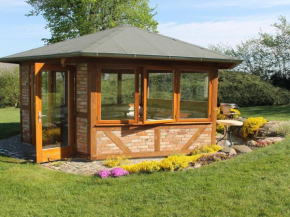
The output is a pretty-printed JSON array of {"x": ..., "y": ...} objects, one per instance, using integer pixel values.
[{"x": 242, "y": 148}]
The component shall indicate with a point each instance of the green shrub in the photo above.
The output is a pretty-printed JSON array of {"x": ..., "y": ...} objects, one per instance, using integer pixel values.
[
  {"x": 9, "y": 87},
  {"x": 249, "y": 90}
]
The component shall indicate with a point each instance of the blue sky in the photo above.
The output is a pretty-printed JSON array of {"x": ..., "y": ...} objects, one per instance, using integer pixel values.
[{"x": 200, "y": 22}]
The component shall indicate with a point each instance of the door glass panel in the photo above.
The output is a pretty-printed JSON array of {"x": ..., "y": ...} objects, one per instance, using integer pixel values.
[
  {"x": 159, "y": 95},
  {"x": 54, "y": 94},
  {"x": 194, "y": 95}
]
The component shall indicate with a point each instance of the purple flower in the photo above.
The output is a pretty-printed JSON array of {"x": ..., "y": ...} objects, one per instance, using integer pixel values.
[
  {"x": 116, "y": 172},
  {"x": 104, "y": 173}
]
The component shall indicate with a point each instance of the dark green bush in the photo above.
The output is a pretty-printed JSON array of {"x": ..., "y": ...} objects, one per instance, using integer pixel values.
[
  {"x": 249, "y": 90},
  {"x": 9, "y": 87}
]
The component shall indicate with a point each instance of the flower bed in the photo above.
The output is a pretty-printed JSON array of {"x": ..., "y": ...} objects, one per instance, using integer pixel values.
[{"x": 171, "y": 163}]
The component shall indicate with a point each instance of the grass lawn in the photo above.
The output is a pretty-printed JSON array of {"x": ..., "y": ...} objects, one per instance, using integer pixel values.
[
  {"x": 255, "y": 184},
  {"x": 270, "y": 113},
  {"x": 9, "y": 122}
]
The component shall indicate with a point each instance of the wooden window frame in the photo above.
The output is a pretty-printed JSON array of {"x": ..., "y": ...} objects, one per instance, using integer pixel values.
[
  {"x": 194, "y": 70},
  {"x": 142, "y": 69},
  {"x": 145, "y": 85},
  {"x": 136, "y": 103}
]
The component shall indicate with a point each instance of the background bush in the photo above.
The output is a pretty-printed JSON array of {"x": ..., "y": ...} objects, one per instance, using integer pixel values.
[
  {"x": 9, "y": 87},
  {"x": 249, "y": 90}
]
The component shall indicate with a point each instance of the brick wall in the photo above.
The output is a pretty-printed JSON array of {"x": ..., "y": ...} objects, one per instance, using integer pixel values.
[
  {"x": 175, "y": 139},
  {"x": 138, "y": 140},
  {"x": 135, "y": 140},
  {"x": 81, "y": 107},
  {"x": 81, "y": 88},
  {"x": 25, "y": 104},
  {"x": 82, "y": 138}
]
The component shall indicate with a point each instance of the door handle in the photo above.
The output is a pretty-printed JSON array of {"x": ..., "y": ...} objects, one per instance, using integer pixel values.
[{"x": 40, "y": 115}]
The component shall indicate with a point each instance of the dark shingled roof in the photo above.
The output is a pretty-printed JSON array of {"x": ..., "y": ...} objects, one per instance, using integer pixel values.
[{"x": 123, "y": 41}]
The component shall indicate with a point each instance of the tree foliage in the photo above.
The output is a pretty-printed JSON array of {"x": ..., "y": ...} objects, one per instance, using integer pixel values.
[
  {"x": 68, "y": 19},
  {"x": 9, "y": 87},
  {"x": 249, "y": 90},
  {"x": 267, "y": 56}
]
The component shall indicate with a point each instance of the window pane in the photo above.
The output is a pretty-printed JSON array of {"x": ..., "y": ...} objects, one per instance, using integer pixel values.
[
  {"x": 54, "y": 91},
  {"x": 117, "y": 94},
  {"x": 194, "y": 95},
  {"x": 159, "y": 95}
]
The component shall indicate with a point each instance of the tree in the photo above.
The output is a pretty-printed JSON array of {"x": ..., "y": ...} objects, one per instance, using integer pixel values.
[
  {"x": 72, "y": 18},
  {"x": 278, "y": 47},
  {"x": 252, "y": 52},
  {"x": 267, "y": 56},
  {"x": 9, "y": 87}
]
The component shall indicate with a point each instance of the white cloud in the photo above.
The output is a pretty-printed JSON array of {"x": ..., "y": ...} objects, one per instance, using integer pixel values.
[{"x": 231, "y": 31}]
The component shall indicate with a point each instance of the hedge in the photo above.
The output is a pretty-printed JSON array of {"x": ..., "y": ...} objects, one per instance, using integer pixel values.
[{"x": 249, "y": 90}]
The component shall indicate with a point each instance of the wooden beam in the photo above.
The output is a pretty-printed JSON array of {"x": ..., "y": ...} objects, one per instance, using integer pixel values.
[
  {"x": 193, "y": 138},
  {"x": 118, "y": 142},
  {"x": 38, "y": 108},
  {"x": 92, "y": 70},
  {"x": 71, "y": 106},
  {"x": 63, "y": 62},
  {"x": 142, "y": 154},
  {"x": 144, "y": 94},
  {"x": 214, "y": 104},
  {"x": 157, "y": 140},
  {"x": 146, "y": 127},
  {"x": 119, "y": 88}
]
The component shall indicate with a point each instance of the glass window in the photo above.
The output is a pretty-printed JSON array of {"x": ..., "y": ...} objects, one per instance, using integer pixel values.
[
  {"x": 194, "y": 99},
  {"x": 160, "y": 93},
  {"x": 54, "y": 92},
  {"x": 117, "y": 94}
]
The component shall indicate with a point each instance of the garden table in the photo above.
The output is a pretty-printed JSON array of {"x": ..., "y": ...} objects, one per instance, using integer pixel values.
[{"x": 227, "y": 138}]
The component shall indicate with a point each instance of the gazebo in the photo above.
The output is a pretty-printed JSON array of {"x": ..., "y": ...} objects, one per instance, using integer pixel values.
[{"x": 121, "y": 91}]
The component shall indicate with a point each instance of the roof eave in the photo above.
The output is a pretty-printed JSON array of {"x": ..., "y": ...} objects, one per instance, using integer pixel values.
[{"x": 233, "y": 62}]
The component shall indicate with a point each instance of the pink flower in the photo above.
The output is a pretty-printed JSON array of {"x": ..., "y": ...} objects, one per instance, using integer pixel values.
[
  {"x": 104, "y": 173},
  {"x": 116, "y": 172}
]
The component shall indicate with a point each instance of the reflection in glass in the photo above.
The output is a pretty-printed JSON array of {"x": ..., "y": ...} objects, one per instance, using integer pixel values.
[
  {"x": 54, "y": 94},
  {"x": 117, "y": 94},
  {"x": 160, "y": 89},
  {"x": 194, "y": 95}
]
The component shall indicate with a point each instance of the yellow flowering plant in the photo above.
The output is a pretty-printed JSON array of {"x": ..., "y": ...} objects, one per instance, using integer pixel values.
[
  {"x": 251, "y": 125},
  {"x": 116, "y": 161},
  {"x": 171, "y": 163},
  {"x": 206, "y": 149},
  {"x": 51, "y": 135}
]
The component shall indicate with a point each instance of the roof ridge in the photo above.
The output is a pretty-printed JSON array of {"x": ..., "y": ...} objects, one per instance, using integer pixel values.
[
  {"x": 184, "y": 42},
  {"x": 106, "y": 38}
]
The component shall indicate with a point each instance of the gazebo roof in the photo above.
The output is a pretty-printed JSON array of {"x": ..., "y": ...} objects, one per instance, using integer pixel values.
[{"x": 126, "y": 42}]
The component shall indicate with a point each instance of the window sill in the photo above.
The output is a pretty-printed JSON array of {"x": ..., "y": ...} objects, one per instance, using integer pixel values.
[{"x": 150, "y": 124}]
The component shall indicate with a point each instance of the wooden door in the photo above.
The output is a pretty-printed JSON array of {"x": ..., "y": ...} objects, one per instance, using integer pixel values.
[{"x": 54, "y": 113}]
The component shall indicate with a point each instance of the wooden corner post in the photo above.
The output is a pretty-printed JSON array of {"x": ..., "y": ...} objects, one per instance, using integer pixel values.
[
  {"x": 92, "y": 91},
  {"x": 38, "y": 125},
  {"x": 214, "y": 104}
]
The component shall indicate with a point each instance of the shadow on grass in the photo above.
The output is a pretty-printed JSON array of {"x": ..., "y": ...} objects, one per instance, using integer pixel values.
[
  {"x": 7, "y": 159},
  {"x": 9, "y": 129}
]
